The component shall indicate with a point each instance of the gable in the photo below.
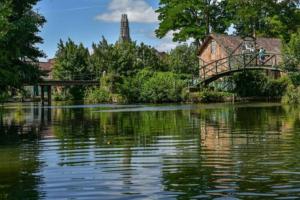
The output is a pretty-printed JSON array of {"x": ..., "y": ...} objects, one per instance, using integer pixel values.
[{"x": 230, "y": 43}]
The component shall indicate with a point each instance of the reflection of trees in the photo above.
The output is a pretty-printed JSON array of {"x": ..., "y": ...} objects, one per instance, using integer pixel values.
[
  {"x": 19, "y": 156},
  {"x": 221, "y": 150}
]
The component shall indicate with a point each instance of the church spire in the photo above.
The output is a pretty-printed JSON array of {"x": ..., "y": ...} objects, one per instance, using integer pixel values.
[{"x": 125, "y": 33}]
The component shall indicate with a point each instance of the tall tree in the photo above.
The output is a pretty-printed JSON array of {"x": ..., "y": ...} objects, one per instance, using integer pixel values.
[
  {"x": 191, "y": 18},
  {"x": 72, "y": 63},
  {"x": 102, "y": 57},
  {"x": 183, "y": 59},
  {"x": 19, "y": 26},
  {"x": 271, "y": 18},
  {"x": 149, "y": 57},
  {"x": 292, "y": 53}
]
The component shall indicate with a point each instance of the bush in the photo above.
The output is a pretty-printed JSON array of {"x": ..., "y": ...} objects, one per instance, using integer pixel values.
[
  {"x": 3, "y": 96},
  {"x": 162, "y": 87},
  {"x": 208, "y": 96},
  {"x": 276, "y": 87},
  {"x": 98, "y": 95},
  {"x": 152, "y": 87},
  {"x": 257, "y": 84},
  {"x": 295, "y": 78},
  {"x": 292, "y": 95},
  {"x": 130, "y": 88},
  {"x": 250, "y": 83}
]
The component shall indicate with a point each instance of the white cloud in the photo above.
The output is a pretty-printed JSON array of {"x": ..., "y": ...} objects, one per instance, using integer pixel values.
[
  {"x": 167, "y": 44},
  {"x": 137, "y": 10}
]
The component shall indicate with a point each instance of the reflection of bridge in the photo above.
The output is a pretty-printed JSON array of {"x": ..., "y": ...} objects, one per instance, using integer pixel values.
[{"x": 236, "y": 63}]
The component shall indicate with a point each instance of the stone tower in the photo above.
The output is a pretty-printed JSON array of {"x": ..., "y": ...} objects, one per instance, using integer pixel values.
[{"x": 125, "y": 33}]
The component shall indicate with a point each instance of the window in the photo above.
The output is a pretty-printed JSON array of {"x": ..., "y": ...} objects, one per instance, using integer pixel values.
[{"x": 213, "y": 47}]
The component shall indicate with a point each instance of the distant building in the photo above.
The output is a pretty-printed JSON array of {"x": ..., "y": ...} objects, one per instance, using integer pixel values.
[
  {"x": 218, "y": 46},
  {"x": 125, "y": 31},
  {"x": 47, "y": 68}
]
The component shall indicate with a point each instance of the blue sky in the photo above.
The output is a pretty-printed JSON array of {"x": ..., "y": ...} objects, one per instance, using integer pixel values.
[{"x": 87, "y": 20}]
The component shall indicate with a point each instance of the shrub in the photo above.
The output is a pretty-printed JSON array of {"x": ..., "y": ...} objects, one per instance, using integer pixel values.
[
  {"x": 292, "y": 95},
  {"x": 276, "y": 87},
  {"x": 208, "y": 96},
  {"x": 130, "y": 88},
  {"x": 152, "y": 87},
  {"x": 249, "y": 83},
  {"x": 3, "y": 96},
  {"x": 98, "y": 95},
  {"x": 162, "y": 87},
  {"x": 295, "y": 78}
]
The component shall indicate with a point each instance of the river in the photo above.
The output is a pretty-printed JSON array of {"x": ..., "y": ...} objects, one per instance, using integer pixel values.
[{"x": 214, "y": 151}]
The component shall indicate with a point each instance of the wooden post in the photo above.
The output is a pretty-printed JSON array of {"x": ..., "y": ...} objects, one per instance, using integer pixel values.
[
  {"x": 49, "y": 94},
  {"x": 42, "y": 94},
  {"x": 244, "y": 60},
  {"x": 216, "y": 67}
]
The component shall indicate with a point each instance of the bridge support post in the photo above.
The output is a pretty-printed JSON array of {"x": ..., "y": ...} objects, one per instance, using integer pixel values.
[
  {"x": 42, "y": 94},
  {"x": 49, "y": 92}
]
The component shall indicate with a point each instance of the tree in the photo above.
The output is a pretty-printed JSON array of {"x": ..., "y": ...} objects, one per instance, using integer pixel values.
[
  {"x": 183, "y": 59},
  {"x": 72, "y": 63},
  {"x": 126, "y": 61},
  {"x": 19, "y": 26},
  {"x": 102, "y": 58},
  {"x": 191, "y": 18},
  {"x": 271, "y": 18},
  {"x": 292, "y": 53},
  {"x": 150, "y": 57}
]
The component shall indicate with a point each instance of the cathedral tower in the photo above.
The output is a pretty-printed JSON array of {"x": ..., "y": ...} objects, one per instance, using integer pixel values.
[{"x": 125, "y": 33}]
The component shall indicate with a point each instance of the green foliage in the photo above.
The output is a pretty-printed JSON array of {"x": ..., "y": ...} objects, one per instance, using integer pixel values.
[
  {"x": 19, "y": 27},
  {"x": 102, "y": 57},
  {"x": 3, "y": 96},
  {"x": 249, "y": 83},
  {"x": 131, "y": 87},
  {"x": 195, "y": 19},
  {"x": 276, "y": 87},
  {"x": 270, "y": 18},
  {"x": 292, "y": 53},
  {"x": 162, "y": 87},
  {"x": 208, "y": 96},
  {"x": 153, "y": 87},
  {"x": 295, "y": 78},
  {"x": 292, "y": 95},
  {"x": 257, "y": 84},
  {"x": 124, "y": 58},
  {"x": 72, "y": 63},
  {"x": 184, "y": 60},
  {"x": 98, "y": 95},
  {"x": 191, "y": 19}
]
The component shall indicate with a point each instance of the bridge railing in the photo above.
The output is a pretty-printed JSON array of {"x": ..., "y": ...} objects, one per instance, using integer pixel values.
[
  {"x": 238, "y": 62},
  {"x": 75, "y": 77}
]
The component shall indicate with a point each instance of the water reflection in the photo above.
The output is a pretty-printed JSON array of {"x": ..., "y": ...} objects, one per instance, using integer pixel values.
[{"x": 160, "y": 152}]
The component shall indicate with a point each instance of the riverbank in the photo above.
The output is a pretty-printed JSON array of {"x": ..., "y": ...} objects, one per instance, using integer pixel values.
[{"x": 192, "y": 98}]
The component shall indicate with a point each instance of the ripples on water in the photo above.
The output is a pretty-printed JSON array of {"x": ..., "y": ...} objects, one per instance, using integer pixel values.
[{"x": 215, "y": 151}]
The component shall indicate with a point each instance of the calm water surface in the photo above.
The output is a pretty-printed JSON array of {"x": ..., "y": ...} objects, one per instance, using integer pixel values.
[{"x": 218, "y": 151}]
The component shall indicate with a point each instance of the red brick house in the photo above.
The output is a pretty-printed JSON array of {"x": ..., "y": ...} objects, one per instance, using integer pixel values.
[
  {"x": 220, "y": 46},
  {"x": 47, "y": 68}
]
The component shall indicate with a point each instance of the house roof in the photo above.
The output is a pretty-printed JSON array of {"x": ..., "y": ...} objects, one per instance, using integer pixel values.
[
  {"x": 46, "y": 66},
  {"x": 230, "y": 43}
]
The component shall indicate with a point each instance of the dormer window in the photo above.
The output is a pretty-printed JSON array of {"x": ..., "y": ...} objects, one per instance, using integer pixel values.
[{"x": 213, "y": 47}]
